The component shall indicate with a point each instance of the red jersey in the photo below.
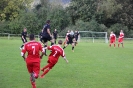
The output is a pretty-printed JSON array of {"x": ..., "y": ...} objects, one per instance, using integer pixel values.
[
  {"x": 33, "y": 48},
  {"x": 112, "y": 37},
  {"x": 121, "y": 35},
  {"x": 57, "y": 51}
]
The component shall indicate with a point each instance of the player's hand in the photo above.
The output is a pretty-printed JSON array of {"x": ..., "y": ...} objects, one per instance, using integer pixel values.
[{"x": 67, "y": 61}]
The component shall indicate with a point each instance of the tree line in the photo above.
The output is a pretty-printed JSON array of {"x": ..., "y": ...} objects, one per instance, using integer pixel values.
[{"x": 85, "y": 15}]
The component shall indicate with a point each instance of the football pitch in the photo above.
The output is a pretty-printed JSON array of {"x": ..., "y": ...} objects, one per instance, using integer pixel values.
[{"x": 92, "y": 65}]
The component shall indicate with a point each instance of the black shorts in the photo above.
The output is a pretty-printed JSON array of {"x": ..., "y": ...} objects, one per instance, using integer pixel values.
[
  {"x": 55, "y": 37},
  {"x": 46, "y": 38},
  {"x": 69, "y": 42},
  {"x": 23, "y": 40}
]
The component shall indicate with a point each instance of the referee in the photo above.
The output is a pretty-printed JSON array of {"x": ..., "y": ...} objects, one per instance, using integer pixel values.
[{"x": 55, "y": 34}]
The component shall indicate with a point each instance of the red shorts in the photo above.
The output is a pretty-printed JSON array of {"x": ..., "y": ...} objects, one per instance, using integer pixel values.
[
  {"x": 112, "y": 41},
  {"x": 33, "y": 67},
  {"x": 52, "y": 62},
  {"x": 120, "y": 40}
]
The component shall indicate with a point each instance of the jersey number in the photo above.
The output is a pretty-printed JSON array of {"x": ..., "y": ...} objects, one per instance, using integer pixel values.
[
  {"x": 55, "y": 53},
  {"x": 33, "y": 47}
]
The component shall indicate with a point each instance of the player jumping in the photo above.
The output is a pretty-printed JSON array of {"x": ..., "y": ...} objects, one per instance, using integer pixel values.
[
  {"x": 121, "y": 37},
  {"x": 66, "y": 38},
  {"x": 46, "y": 36},
  {"x": 56, "y": 52},
  {"x": 33, "y": 59},
  {"x": 112, "y": 39},
  {"x": 70, "y": 37}
]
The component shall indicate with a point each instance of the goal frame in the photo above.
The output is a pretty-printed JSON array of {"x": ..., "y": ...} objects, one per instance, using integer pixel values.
[{"x": 106, "y": 35}]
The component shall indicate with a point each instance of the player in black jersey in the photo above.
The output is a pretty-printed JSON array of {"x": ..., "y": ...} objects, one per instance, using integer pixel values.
[
  {"x": 55, "y": 35},
  {"x": 70, "y": 37},
  {"x": 46, "y": 35},
  {"x": 23, "y": 37},
  {"x": 76, "y": 34}
]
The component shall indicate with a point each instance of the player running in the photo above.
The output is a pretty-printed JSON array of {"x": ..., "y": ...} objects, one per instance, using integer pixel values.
[
  {"x": 33, "y": 59},
  {"x": 120, "y": 39},
  {"x": 55, "y": 35},
  {"x": 70, "y": 37},
  {"x": 66, "y": 38},
  {"x": 23, "y": 37},
  {"x": 112, "y": 39},
  {"x": 56, "y": 52},
  {"x": 46, "y": 35},
  {"x": 76, "y": 34}
]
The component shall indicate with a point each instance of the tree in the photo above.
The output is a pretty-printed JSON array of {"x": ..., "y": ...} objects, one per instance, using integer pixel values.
[{"x": 10, "y": 8}]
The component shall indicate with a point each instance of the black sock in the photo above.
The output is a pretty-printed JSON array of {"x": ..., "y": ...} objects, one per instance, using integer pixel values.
[
  {"x": 45, "y": 50},
  {"x": 55, "y": 41},
  {"x": 22, "y": 46},
  {"x": 52, "y": 44},
  {"x": 73, "y": 48},
  {"x": 64, "y": 47}
]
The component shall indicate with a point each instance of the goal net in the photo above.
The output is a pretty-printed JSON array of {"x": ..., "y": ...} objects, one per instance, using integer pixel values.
[{"x": 89, "y": 36}]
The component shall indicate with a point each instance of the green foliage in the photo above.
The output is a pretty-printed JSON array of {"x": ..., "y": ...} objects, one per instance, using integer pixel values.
[
  {"x": 10, "y": 9},
  {"x": 117, "y": 27}
]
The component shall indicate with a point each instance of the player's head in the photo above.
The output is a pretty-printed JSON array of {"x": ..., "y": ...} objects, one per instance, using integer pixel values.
[
  {"x": 68, "y": 31},
  {"x": 60, "y": 42},
  {"x": 55, "y": 30},
  {"x": 121, "y": 30},
  {"x": 25, "y": 29},
  {"x": 31, "y": 37},
  {"x": 111, "y": 32},
  {"x": 48, "y": 22}
]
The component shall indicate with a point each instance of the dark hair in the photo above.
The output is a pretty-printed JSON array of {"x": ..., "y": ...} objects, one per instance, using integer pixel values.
[
  {"x": 32, "y": 37},
  {"x": 48, "y": 21},
  {"x": 60, "y": 42}
]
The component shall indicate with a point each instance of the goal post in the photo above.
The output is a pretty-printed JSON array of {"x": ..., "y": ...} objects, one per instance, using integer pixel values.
[{"x": 93, "y": 36}]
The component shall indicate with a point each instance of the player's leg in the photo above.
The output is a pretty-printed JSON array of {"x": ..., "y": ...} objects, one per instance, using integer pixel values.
[
  {"x": 47, "y": 69},
  {"x": 51, "y": 40},
  {"x": 73, "y": 47},
  {"x": 114, "y": 43},
  {"x": 65, "y": 45},
  {"x": 30, "y": 70}
]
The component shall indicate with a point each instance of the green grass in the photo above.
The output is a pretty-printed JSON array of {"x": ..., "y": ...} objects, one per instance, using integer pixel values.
[{"x": 92, "y": 65}]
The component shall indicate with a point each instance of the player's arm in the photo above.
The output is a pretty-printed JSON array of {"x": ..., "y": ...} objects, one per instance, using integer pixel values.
[
  {"x": 48, "y": 31},
  {"x": 65, "y": 59},
  {"x": 23, "y": 53}
]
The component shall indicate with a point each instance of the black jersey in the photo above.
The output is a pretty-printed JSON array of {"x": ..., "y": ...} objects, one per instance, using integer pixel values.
[
  {"x": 45, "y": 28},
  {"x": 55, "y": 34},
  {"x": 40, "y": 35},
  {"x": 76, "y": 34},
  {"x": 24, "y": 34},
  {"x": 70, "y": 37}
]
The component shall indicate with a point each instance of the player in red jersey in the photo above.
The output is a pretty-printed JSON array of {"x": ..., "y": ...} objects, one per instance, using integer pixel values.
[
  {"x": 33, "y": 58},
  {"x": 112, "y": 39},
  {"x": 56, "y": 52},
  {"x": 121, "y": 37}
]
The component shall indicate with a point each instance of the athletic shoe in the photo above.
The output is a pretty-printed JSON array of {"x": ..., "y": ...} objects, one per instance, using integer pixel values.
[{"x": 32, "y": 77}]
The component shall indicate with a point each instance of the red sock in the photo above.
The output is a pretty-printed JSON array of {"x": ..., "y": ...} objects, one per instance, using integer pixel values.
[
  {"x": 45, "y": 72},
  {"x": 118, "y": 45},
  {"x": 33, "y": 84}
]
